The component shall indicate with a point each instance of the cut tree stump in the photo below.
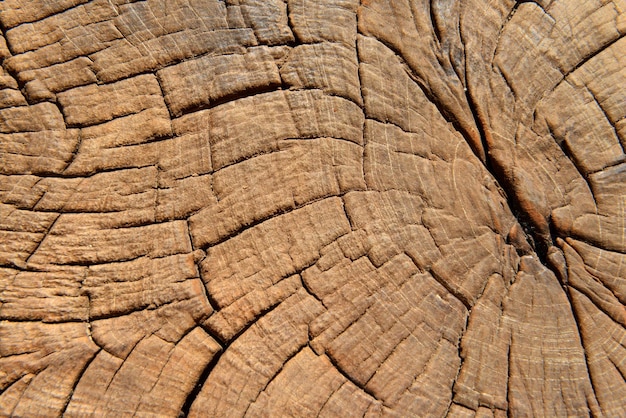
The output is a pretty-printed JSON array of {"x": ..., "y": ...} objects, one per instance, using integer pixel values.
[{"x": 332, "y": 208}]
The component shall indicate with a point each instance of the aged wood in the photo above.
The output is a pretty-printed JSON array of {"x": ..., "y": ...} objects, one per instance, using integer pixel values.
[{"x": 312, "y": 208}]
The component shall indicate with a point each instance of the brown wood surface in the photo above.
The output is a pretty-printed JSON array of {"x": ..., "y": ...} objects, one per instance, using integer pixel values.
[{"x": 334, "y": 208}]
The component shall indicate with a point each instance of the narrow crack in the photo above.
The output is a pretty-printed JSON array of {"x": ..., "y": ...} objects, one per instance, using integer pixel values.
[
  {"x": 209, "y": 297},
  {"x": 389, "y": 354},
  {"x": 509, "y": 393},
  {"x": 159, "y": 81},
  {"x": 275, "y": 149},
  {"x": 577, "y": 321},
  {"x": 508, "y": 18},
  {"x": 79, "y": 142},
  {"x": 465, "y": 131},
  {"x": 88, "y": 175},
  {"x": 238, "y": 95},
  {"x": 274, "y": 214},
  {"x": 576, "y": 67},
  {"x": 590, "y": 297},
  {"x": 225, "y": 344},
  {"x": 290, "y": 24},
  {"x": 45, "y": 235},
  {"x": 78, "y": 379},
  {"x": 434, "y": 23},
  {"x": 328, "y": 399},
  {"x": 19, "y": 399},
  {"x": 306, "y": 287},
  {"x": 567, "y": 151},
  {"x": 508, "y": 374},
  {"x": 593, "y": 54},
  {"x": 274, "y": 376},
  {"x": 460, "y": 297},
  {"x": 193, "y": 395},
  {"x": 79, "y": 3},
  {"x": 349, "y": 378},
  {"x": 608, "y": 119},
  {"x": 158, "y": 377},
  {"x": 617, "y": 367},
  {"x": 461, "y": 356}
]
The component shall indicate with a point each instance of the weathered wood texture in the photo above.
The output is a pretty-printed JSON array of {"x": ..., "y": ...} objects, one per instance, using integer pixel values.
[{"x": 312, "y": 208}]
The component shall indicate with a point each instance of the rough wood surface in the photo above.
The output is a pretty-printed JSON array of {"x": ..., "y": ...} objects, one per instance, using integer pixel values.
[{"x": 308, "y": 208}]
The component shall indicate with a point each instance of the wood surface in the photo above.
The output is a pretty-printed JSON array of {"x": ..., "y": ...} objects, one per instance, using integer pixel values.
[{"x": 333, "y": 208}]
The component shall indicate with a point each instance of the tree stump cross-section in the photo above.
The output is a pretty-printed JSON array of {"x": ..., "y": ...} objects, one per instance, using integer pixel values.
[{"x": 312, "y": 208}]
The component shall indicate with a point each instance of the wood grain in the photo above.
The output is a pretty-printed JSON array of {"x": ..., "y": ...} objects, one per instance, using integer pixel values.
[{"x": 312, "y": 208}]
